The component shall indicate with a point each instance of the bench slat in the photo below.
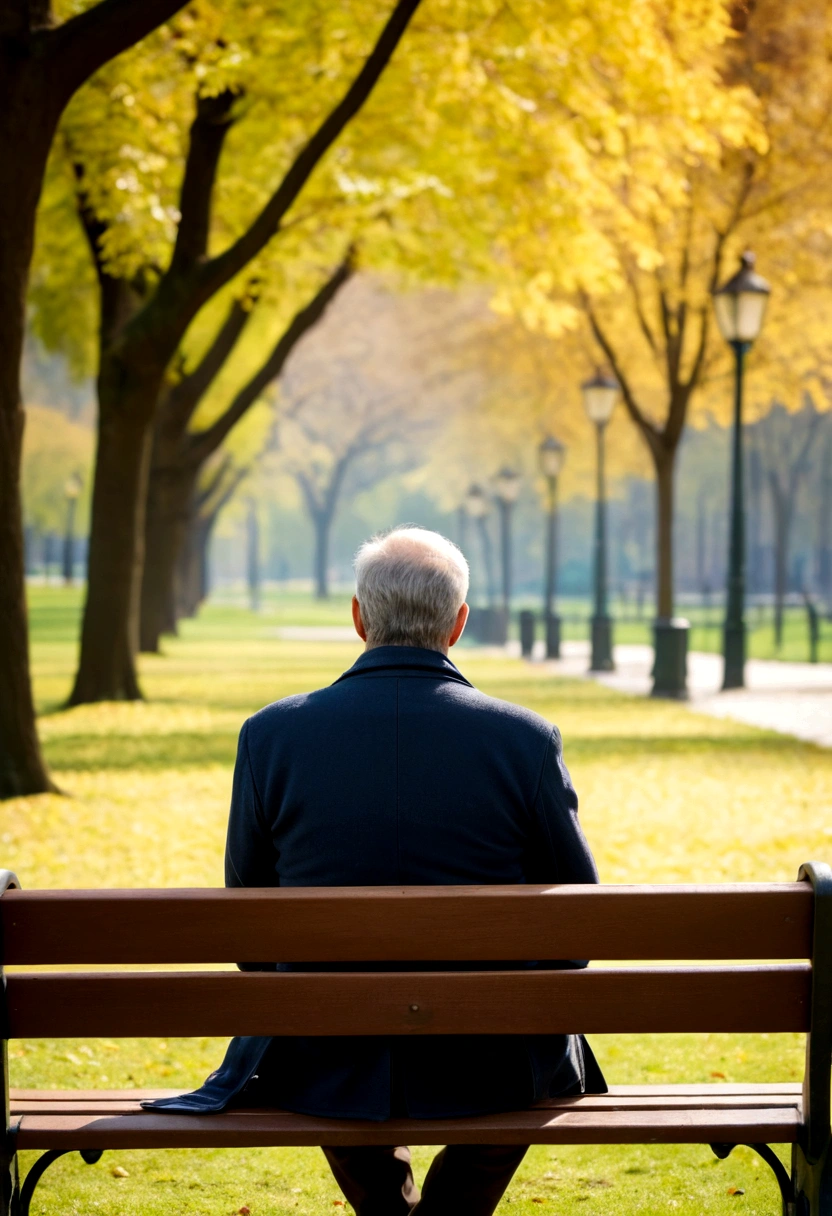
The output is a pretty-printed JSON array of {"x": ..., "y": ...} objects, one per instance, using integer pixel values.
[
  {"x": 732, "y": 921},
  {"x": 777, "y": 1092},
  {"x": 171, "y": 1004},
  {"x": 777, "y": 1125},
  {"x": 597, "y": 1102}
]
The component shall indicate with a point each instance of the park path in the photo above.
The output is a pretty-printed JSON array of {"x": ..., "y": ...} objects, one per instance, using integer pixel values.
[{"x": 792, "y": 698}]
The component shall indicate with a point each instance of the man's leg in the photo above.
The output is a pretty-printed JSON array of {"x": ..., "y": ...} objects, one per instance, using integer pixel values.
[
  {"x": 377, "y": 1181},
  {"x": 469, "y": 1179}
]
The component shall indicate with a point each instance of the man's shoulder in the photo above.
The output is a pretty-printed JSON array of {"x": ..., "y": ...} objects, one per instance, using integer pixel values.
[{"x": 507, "y": 714}]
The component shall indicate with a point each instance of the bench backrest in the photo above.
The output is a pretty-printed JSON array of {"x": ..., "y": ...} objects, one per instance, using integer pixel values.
[{"x": 490, "y": 926}]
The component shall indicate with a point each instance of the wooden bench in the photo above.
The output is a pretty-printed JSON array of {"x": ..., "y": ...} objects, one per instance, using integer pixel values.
[{"x": 125, "y": 929}]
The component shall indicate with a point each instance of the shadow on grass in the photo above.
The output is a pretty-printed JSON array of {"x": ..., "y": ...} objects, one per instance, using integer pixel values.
[{"x": 95, "y": 753}]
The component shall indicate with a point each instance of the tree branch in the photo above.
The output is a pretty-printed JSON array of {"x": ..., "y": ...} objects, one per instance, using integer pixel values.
[
  {"x": 211, "y": 124},
  {"x": 204, "y": 443},
  {"x": 119, "y": 298},
  {"x": 219, "y": 270},
  {"x": 648, "y": 429},
  {"x": 87, "y": 41},
  {"x": 184, "y": 397}
]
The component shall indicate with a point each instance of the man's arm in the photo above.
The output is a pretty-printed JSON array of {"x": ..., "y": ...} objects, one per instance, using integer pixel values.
[
  {"x": 249, "y": 851},
  {"x": 560, "y": 853}
]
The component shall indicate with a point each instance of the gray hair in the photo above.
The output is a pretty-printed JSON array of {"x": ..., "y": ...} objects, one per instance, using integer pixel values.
[{"x": 410, "y": 585}]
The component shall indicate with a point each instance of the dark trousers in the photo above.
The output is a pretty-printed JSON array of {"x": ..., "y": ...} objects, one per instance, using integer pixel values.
[{"x": 463, "y": 1180}]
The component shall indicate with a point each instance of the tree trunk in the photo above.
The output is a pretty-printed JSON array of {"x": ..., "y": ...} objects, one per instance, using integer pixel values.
[
  {"x": 824, "y": 525},
  {"x": 192, "y": 573},
  {"x": 253, "y": 556},
  {"x": 169, "y": 510},
  {"x": 25, "y": 136},
  {"x": 781, "y": 560},
  {"x": 664, "y": 460},
  {"x": 323, "y": 525},
  {"x": 110, "y": 633}
]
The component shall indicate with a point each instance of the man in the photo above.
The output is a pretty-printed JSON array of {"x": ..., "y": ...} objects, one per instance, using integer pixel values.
[{"x": 402, "y": 773}]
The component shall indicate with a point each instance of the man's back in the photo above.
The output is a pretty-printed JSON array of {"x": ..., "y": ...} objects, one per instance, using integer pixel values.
[{"x": 403, "y": 773}]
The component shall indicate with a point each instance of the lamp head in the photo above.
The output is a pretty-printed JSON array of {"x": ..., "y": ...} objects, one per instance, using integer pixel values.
[
  {"x": 73, "y": 486},
  {"x": 508, "y": 484},
  {"x": 476, "y": 502},
  {"x": 600, "y": 394},
  {"x": 740, "y": 304},
  {"x": 551, "y": 454}
]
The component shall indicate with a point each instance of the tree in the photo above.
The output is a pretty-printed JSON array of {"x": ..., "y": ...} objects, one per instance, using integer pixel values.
[
  {"x": 217, "y": 488},
  {"x": 179, "y": 452},
  {"x": 42, "y": 64},
  {"x": 143, "y": 321},
  {"x": 352, "y": 416},
  {"x": 785, "y": 444},
  {"x": 737, "y": 150}
]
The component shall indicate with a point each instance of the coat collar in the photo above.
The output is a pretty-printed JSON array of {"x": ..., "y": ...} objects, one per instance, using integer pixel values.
[{"x": 405, "y": 659}]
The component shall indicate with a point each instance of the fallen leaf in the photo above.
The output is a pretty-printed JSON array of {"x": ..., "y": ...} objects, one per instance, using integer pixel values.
[
  {"x": 243, "y": 1211},
  {"x": 538, "y": 1201},
  {"x": 118, "y": 1171},
  {"x": 337, "y": 1203},
  {"x": 721, "y": 1075},
  {"x": 734, "y": 1190}
]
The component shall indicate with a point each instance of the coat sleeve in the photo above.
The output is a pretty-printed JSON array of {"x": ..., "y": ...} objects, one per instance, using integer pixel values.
[
  {"x": 249, "y": 850},
  {"x": 561, "y": 853}
]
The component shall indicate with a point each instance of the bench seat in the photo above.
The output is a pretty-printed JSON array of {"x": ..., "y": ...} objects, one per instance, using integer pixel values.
[{"x": 628, "y": 1114}]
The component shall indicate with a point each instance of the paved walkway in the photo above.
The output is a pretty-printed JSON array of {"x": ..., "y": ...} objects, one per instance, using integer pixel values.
[{"x": 793, "y": 698}]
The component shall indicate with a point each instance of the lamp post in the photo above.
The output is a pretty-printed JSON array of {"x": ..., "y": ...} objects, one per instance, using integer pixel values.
[
  {"x": 72, "y": 491},
  {"x": 508, "y": 488},
  {"x": 482, "y": 620},
  {"x": 478, "y": 507},
  {"x": 740, "y": 306},
  {"x": 550, "y": 454},
  {"x": 600, "y": 394}
]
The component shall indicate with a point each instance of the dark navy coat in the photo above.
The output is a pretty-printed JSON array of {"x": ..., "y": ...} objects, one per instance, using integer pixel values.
[{"x": 401, "y": 773}]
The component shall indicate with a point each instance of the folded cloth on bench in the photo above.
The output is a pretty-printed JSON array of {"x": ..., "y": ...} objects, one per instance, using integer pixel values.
[{"x": 430, "y": 1077}]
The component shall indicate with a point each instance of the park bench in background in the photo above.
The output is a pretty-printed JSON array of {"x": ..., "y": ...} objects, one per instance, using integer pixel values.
[{"x": 126, "y": 928}]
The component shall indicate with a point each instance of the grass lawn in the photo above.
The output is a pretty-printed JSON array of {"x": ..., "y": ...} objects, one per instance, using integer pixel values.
[{"x": 666, "y": 795}]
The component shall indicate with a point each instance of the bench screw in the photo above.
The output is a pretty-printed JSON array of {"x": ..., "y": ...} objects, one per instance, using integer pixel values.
[{"x": 414, "y": 1008}]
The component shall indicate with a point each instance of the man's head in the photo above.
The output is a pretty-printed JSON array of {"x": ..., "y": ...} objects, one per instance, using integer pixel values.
[{"x": 410, "y": 590}]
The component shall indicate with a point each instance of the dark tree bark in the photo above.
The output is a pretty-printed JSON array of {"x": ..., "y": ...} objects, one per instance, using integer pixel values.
[
  {"x": 322, "y": 504},
  {"x": 823, "y": 544},
  {"x": 253, "y": 556},
  {"x": 41, "y": 66},
  {"x": 180, "y": 454},
  {"x": 191, "y": 584},
  {"x": 786, "y": 454},
  {"x": 147, "y": 343}
]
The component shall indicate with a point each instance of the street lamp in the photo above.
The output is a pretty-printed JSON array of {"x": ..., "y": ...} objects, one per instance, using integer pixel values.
[
  {"x": 551, "y": 454},
  {"x": 740, "y": 306},
  {"x": 508, "y": 488},
  {"x": 477, "y": 506},
  {"x": 600, "y": 394},
  {"x": 72, "y": 491}
]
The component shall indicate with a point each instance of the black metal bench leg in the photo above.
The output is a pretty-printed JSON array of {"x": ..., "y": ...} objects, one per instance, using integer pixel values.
[
  {"x": 90, "y": 1155},
  {"x": 9, "y": 1182},
  {"x": 787, "y": 1190},
  {"x": 813, "y": 1183}
]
